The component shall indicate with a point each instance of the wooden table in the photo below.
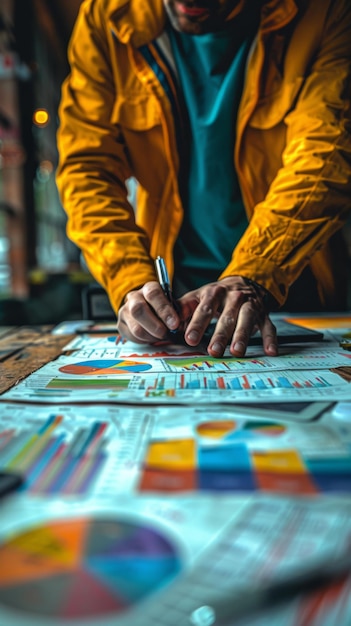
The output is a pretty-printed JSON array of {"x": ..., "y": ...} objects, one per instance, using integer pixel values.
[{"x": 25, "y": 349}]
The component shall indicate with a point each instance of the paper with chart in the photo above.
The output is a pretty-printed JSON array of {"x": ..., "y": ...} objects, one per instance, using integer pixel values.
[
  {"x": 56, "y": 559},
  {"x": 196, "y": 489},
  {"x": 210, "y": 496},
  {"x": 156, "y": 375},
  {"x": 106, "y": 451}
]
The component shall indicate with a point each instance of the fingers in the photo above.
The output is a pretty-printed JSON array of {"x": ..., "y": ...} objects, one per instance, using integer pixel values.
[
  {"x": 159, "y": 304},
  {"x": 269, "y": 337},
  {"x": 250, "y": 317},
  {"x": 240, "y": 312},
  {"x": 224, "y": 301},
  {"x": 202, "y": 304},
  {"x": 235, "y": 327},
  {"x": 226, "y": 325},
  {"x": 146, "y": 315}
]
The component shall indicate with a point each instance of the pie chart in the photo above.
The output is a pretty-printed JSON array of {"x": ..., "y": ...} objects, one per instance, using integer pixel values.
[
  {"x": 105, "y": 366},
  {"x": 89, "y": 566}
]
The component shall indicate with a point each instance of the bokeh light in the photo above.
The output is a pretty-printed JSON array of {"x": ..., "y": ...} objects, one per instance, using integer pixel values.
[{"x": 41, "y": 117}]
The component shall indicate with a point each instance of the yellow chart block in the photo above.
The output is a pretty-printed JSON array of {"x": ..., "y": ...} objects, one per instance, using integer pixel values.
[
  {"x": 178, "y": 454},
  {"x": 278, "y": 461}
]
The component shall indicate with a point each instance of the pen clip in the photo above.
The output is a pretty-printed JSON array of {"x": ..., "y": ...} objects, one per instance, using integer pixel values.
[{"x": 162, "y": 274}]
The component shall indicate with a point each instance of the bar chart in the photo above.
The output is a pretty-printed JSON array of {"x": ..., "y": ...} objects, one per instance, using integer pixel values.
[{"x": 53, "y": 459}]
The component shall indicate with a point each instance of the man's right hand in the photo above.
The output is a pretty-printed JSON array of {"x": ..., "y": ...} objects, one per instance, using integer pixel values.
[{"x": 146, "y": 315}]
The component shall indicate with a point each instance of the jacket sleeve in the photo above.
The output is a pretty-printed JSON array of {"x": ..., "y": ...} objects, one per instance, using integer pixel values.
[
  {"x": 309, "y": 199},
  {"x": 93, "y": 165}
]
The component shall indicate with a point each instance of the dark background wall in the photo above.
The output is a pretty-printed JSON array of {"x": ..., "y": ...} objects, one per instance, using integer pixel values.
[{"x": 41, "y": 277}]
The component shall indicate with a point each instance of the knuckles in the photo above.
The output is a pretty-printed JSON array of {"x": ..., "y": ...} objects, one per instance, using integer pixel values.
[
  {"x": 136, "y": 308},
  {"x": 138, "y": 333},
  {"x": 151, "y": 291},
  {"x": 228, "y": 321},
  {"x": 206, "y": 309}
]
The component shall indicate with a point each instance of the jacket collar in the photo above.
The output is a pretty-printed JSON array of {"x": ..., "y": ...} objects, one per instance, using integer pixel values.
[
  {"x": 276, "y": 14},
  {"x": 136, "y": 21},
  {"x": 140, "y": 21}
]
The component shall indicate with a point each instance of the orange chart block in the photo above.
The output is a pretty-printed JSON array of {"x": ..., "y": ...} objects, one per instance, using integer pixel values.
[
  {"x": 286, "y": 483},
  {"x": 174, "y": 481},
  {"x": 179, "y": 454}
]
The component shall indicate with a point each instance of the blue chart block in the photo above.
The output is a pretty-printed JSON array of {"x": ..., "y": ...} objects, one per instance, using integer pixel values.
[
  {"x": 332, "y": 474},
  {"x": 337, "y": 483},
  {"x": 337, "y": 465},
  {"x": 224, "y": 457},
  {"x": 226, "y": 481},
  {"x": 225, "y": 468}
]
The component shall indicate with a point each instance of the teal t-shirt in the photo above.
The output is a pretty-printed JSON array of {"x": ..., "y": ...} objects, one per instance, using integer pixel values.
[{"x": 211, "y": 70}]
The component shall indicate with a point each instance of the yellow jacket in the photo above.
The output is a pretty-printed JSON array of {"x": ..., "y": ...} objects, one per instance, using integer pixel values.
[{"x": 292, "y": 153}]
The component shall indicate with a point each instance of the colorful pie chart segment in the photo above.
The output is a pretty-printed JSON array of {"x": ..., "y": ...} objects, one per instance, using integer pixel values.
[
  {"x": 105, "y": 367},
  {"x": 89, "y": 567},
  {"x": 216, "y": 429},
  {"x": 265, "y": 429},
  {"x": 257, "y": 429}
]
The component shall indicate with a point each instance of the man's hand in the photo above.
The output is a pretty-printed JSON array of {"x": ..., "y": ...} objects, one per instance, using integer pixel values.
[
  {"x": 146, "y": 315},
  {"x": 239, "y": 307}
]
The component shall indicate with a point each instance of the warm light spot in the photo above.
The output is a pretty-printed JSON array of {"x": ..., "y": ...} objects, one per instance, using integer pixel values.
[{"x": 41, "y": 117}]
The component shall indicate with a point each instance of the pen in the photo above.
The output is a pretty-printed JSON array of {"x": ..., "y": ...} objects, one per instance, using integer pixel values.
[
  {"x": 226, "y": 609},
  {"x": 163, "y": 279}
]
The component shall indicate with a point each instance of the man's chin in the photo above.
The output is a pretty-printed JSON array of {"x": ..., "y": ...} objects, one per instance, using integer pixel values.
[
  {"x": 184, "y": 25},
  {"x": 188, "y": 26}
]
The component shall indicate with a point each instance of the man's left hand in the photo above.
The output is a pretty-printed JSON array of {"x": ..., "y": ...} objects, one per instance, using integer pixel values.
[{"x": 239, "y": 307}]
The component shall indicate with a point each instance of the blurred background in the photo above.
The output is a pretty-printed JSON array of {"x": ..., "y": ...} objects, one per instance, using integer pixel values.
[{"x": 41, "y": 276}]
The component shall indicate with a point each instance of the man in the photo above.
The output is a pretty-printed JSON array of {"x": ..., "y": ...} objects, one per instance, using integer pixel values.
[{"x": 233, "y": 116}]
